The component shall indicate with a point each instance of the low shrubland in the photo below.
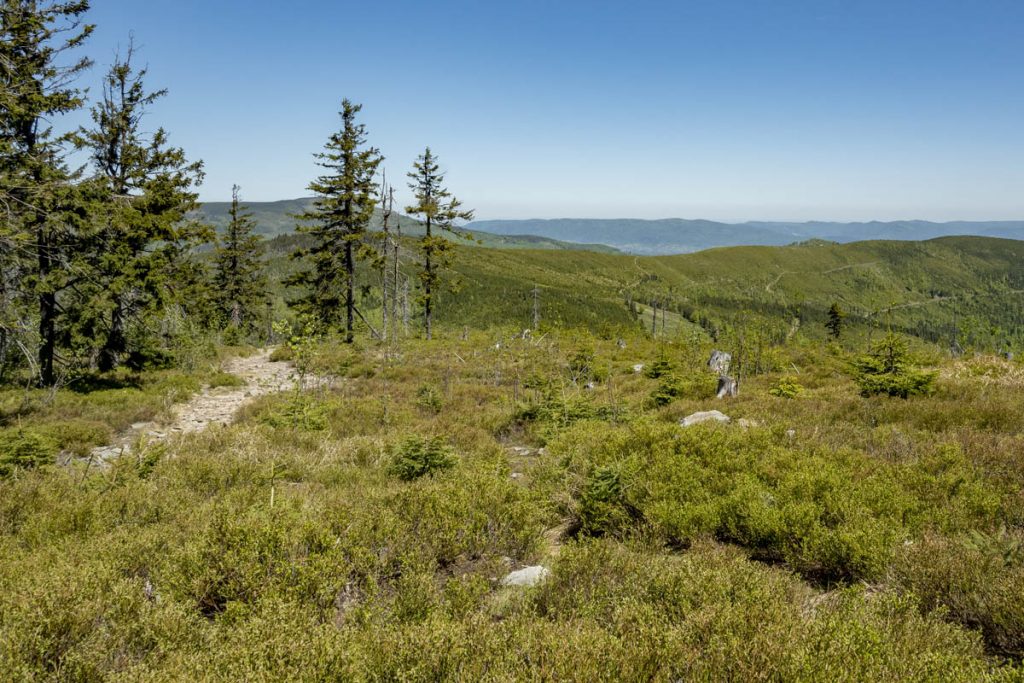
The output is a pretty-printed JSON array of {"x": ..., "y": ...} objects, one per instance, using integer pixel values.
[{"x": 359, "y": 529}]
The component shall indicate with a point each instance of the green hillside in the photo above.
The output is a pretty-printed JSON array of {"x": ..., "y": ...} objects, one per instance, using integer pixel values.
[{"x": 967, "y": 289}]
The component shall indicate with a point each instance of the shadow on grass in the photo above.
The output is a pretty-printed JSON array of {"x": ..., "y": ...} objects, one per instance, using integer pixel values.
[{"x": 88, "y": 383}]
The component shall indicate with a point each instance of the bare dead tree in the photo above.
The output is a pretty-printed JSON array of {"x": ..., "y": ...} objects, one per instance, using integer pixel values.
[{"x": 386, "y": 204}]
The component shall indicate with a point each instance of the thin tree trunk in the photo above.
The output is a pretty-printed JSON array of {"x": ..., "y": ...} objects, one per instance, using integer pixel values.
[
  {"x": 394, "y": 294},
  {"x": 350, "y": 286},
  {"x": 115, "y": 342},
  {"x": 47, "y": 308},
  {"x": 428, "y": 270},
  {"x": 405, "y": 307},
  {"x": 386, "y": 202},
  {"x": 384, "y": 286}
]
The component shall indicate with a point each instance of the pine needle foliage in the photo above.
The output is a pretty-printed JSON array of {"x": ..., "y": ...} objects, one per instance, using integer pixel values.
[
  {"x": 418, "y": 457},
  {"x": 439, "y": 211},
  {"x": 36, "y": 87},
  {"x": 239, "y": 277},
  {"x": 345, "y": 198},
  {"x": 888, "y": 369},
  {"x": 140, "y": 203},
  {"x": 834, "y": 324}
]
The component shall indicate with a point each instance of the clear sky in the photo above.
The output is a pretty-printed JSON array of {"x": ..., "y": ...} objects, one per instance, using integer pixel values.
[{"x": 721, "y": 109}]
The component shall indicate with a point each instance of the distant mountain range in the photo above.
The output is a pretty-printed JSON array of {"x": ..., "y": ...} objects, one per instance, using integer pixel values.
[
  {"x": 679, "y": 236},
  {"x": 637, "y": 236},
  {"x": 278, "y": 218}
]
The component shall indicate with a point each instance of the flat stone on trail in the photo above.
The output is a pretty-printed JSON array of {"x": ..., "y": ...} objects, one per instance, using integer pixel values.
[
  {"x": 704, "y": 416},
  {"x": 529, "y": 576}
]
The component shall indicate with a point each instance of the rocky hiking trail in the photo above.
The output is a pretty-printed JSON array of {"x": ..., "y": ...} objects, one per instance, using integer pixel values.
[{"x": 212, "y": 405}]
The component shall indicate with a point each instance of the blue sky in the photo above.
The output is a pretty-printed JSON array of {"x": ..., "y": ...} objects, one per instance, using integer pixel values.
[{"x": 721, "y": 109}]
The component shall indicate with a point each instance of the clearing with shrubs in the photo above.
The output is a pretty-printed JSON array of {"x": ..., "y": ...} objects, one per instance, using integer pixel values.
[{"x": 334, "y": 439}]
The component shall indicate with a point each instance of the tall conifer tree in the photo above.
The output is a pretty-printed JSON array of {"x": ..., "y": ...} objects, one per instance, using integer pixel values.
[
  {"x": 35, "y": 182},
  {"x": 241, "y": 284},
  {"x": 438, "y": 210},
  {"x": 346, "y": 196},
  {"x": 143, "y": 230}
]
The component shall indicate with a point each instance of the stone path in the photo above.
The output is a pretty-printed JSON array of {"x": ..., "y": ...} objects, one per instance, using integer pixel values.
[{"x": 211, "y": 406}]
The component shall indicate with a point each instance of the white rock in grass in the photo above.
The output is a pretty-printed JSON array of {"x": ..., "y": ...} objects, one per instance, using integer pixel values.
[
  {"x": 638, "y": 368},
  {"x": 705, "y": 416},
  {"x": 529, "y": 576}
]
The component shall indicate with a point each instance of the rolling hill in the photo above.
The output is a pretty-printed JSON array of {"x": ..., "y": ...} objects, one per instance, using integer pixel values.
[{"x": 970, "y": 289}]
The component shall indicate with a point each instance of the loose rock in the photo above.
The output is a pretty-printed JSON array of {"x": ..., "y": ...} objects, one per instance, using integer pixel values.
[
  {"x": 704, "y": 416},
  {"x": 529, "y": 576}
]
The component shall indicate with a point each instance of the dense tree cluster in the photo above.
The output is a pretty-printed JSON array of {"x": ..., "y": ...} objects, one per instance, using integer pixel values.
[
  {"x": 107, "y": 265},
  {"x": 101, "y": 265}
]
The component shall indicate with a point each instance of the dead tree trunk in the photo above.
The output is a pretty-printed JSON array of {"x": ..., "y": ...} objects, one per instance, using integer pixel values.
[
  {"x": 727, "y": 386},
  {"x": 385, "y": 207}
]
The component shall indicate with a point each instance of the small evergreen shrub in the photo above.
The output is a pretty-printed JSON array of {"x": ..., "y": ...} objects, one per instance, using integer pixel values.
[
  {"x": 786, "y": 387},
  {"x": 299, "y": 411},
  {"x": 659, "y": 368},
  {"x": 558, "y": 410},
  {"x": 77, "y": 436},
  {"x": 428, "y": 398},
  {"x": 418, "y": 456},
  {"x": 1001, "y": 548},
  {"x": 23, "y": 449},
  {"x": 603, "y": 508},
  {"x": 887, "y": 369},
  {"x": 669, "y": 389}
]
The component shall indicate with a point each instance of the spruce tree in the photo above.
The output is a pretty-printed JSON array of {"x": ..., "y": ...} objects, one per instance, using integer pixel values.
[
  {"x": 834, "y": 324},
  {"x": 438, "y": 210},
  {"x": 35, "y": 182},
  {"x": 346, "y": 196},
  {"x": 241, "y": 286},
  {"x": 143, "y": 232}
]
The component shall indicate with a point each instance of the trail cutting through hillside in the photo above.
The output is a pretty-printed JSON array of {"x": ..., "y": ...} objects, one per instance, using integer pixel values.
[{"x": 212, "y": 405}]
